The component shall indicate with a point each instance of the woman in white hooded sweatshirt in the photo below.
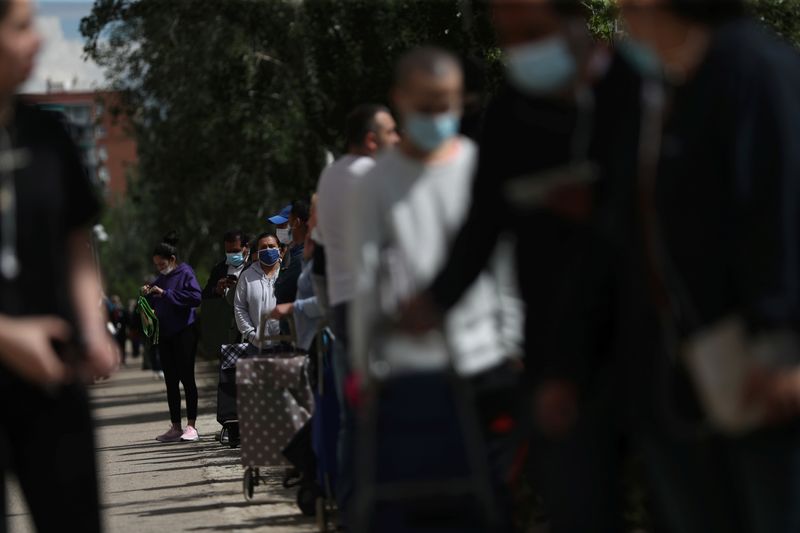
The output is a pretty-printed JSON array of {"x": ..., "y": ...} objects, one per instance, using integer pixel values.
[{"x": 255, "y": 293}]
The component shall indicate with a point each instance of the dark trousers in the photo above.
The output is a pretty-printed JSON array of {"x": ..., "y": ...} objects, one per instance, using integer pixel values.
[
  {"x": 136, "y": 346},
  {"x": 121, "y": 339},
  {"x": 579, "y": 474},
  {"x": 346, "y": 440},
  {"x": 177, "y": 360},
  {"x": 720, "y": 484},
  {"x": 500, "y": 401},
  {"x": 47, "y": 441}
]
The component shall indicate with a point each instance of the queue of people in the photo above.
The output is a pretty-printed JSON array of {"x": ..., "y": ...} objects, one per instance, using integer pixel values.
[
  {"x": 643, "y": 216},
  {"x": 648, "y": 310}
]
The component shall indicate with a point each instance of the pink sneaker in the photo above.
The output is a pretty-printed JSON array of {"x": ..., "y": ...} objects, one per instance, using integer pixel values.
[
  {"x": 173, "y": 435},
  {"x": 190, "y": 435}
]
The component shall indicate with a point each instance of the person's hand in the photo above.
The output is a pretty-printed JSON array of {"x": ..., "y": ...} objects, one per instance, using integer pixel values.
[
  {"x": 778, "y": 391},
  {"x": 26, "y": 348},
  {"x": 555, "y": 407},
  {"x": 158, "y": 292},
  {"x": 145, "y": 290},
  {"x": 420, "y": 315},
  {"x": 102, "y": 357},
  {"x": 281, "y": 311},
  {"x": 222, "y": 284}
]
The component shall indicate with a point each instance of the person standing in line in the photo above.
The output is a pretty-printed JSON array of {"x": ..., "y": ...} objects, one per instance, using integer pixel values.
[
  {"x": 174, "y": 295},
  {"x": 370, "y": 128},
  {"x": 281, "y": 223},
  {"x": 255, "y": 293},
  {"x": 305, "y": 309},
  {"x": 218, "y": 326},
  {"x": 225, "y": 273},
  {"x": 53, "y": 335},
  {"x": 423, "y": 189},
  {"x": 119, "y": 318},
  {"x": 134, "y": 329},
  {"x": 717, "y": 266},
  {"x": 292, "y": 263},
  {"x": 569, "y": 106}
]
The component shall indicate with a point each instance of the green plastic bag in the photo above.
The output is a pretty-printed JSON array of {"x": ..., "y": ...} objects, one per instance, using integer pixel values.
[{"x": 149, "y": 319}]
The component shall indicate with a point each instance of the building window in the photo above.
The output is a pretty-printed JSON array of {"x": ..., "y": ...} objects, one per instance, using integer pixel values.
[
  {"x": 79, "y": 115},
  {"x": 99, "y": 132},
  {"x": 103, "y": 175},
  {"x": 102, "y": 153}
]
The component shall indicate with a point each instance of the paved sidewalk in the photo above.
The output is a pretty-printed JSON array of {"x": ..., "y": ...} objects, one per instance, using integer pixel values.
[{"x": 152, "y": 487}]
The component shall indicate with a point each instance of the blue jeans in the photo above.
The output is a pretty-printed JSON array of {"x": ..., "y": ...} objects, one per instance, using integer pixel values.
[{"x": 721, "y": 484}]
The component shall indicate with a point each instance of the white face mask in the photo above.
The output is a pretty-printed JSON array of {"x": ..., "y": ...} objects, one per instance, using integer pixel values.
[
  {"x": 284, "y": 235},
  {"x": 167, "y": 271}
]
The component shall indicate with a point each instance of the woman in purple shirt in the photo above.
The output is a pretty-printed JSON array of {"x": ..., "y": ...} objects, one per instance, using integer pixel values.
[{"x": 174, "y": 295}]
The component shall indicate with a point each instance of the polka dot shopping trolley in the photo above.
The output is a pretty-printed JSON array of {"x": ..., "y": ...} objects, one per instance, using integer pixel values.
[{"x": 274, "y": 401}]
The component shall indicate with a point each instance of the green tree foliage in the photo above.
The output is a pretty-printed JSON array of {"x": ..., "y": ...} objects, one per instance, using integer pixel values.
[
  {"x": 235, "y": 103},
  {"x": 783, "y": 16}
]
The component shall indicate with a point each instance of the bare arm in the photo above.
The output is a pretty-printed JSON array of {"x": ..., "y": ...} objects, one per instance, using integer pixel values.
[{"x": 101, "y": 352}]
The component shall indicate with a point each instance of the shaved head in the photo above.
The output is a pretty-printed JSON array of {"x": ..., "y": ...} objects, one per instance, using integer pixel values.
[{"x": 429, "y": 62}]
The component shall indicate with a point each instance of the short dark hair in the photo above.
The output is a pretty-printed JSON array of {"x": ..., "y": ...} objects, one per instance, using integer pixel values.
[
  {"x": 361, "y": 121},
  {"x": 571, "y": 8},
  {"x": 708, "y": 12},
  {"x": 168, "y": 246},
  {"x": 425, "y": 59},
  {"x": 264, "y": 235},
  {"x": 236, "y": 235},
  {"x": 301, "y": 210},
  {"x": 4, "y": 7}
]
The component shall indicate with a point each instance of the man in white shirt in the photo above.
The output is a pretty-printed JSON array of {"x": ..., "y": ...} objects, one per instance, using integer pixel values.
[
  {"x": 408, "y": 210},
  {"x": 369, "y": 129}
]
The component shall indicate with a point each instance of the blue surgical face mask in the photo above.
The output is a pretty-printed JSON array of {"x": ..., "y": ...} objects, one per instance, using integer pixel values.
[
  {"x": 235, "y": 260},
  {"x": 541, "y": 67},
  {"x": 429, "y": 132},
  {"x": 641, "y": 57},
  {"x": 269, "y": 256}
]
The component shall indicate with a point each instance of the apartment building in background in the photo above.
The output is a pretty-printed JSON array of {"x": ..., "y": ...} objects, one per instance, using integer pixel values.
[{"x": 105, "y": 140}]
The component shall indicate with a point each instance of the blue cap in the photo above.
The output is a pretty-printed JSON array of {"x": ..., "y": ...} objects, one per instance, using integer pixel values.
[{"x": 282, "y": 217}]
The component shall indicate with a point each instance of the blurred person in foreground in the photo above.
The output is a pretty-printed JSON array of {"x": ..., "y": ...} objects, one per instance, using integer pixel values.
[
  {"x": 720, "y": 221},
  {"x": 544, "y": 167},
  {"x": 408, "y": 209},
  {"x": 53, "y": 336},
  {"x": 370, "y": 128}
]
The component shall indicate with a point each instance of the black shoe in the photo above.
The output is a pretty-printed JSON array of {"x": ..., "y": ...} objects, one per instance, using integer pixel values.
[{"x": 224, "y": 437}]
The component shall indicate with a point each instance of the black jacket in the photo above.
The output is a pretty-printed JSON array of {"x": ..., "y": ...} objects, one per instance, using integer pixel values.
[{"x": 219, "y": 271}]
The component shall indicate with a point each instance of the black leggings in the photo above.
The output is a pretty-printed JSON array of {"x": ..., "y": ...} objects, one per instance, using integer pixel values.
[
  {"x": 177, "y": 360},
  {"x": 47, "y": 441}
]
